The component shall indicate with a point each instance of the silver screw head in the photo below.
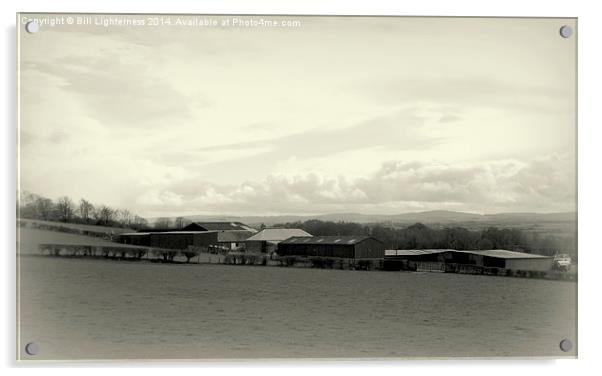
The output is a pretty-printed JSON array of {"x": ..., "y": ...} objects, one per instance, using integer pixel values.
[
  {"x": 566, "y": 31},
  {"x": 32, "y": 27},
  {"x": 32, "y": 348},
  {"x": 566, "y": 345}
]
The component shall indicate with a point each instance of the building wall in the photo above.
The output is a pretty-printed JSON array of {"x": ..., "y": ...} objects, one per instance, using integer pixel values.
[
  {"x": 532, "y": 264},
  {"x": 141, "y": 240},
  {"x": 369, "y": 248},
  {"x": 321, "y": 250},
  {"x": 255, "y": 246},
  {"x": 182, "y": 240},
  {"x": 535, "y": 264},
  {"x": 204, "y": 239}
]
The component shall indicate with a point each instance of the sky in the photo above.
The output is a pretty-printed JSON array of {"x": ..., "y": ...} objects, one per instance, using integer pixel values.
[{"x": 379, "y": 115}]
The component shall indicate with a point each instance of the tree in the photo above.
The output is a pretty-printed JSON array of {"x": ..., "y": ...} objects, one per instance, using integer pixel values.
[
  {"x": 85, "y": 210},
  {"x": 139, "y": 223},
  {"x": 104, "y": 215},
  {"x": 65, "y": 209},
  {"x": 181, "y": 222},
  {"x": 162, "y": 223},
  {"x": 124, "y": 217},
  {"x": 44, "y": 208}
]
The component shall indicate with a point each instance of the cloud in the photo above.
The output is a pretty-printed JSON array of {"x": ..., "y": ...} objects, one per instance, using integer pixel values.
[
  {"x": 400, "y": 130},
  {"x": 542, "y": 184},
  {"x": 467, "y": 92}
]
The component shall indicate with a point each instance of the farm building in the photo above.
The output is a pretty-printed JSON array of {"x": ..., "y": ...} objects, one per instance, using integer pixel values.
[
  {"x": 231, "y": 235},
  {"x": 183, "y": 239},
  {"x": 266, "y": 240},
  {"x": 496, "y": 258},
  {"x": 171, "y": 239},
  {"x": 135, "y": 238},
  {"x": 218, "y": 226},
  {"x": 352, "y": 247},
  {"x": 233, "y": 239}
]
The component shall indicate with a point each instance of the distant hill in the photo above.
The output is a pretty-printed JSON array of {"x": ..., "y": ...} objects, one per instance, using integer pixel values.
[{"x": 440, "y": 217}]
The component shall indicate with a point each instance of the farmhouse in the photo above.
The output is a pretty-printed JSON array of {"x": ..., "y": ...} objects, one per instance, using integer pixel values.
[
  {"x": 266, "y": 240},
  {"x": 495, "y": 258},
  {"x": 352, "y": 247}
]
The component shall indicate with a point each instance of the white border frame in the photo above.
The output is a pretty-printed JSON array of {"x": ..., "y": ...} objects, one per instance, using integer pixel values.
[{"x": 588, "y": 153}]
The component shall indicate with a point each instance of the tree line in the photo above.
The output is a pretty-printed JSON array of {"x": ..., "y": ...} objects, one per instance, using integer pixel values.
[
  {"x": 66, "y": 210},
  {"x": 420, "y": 236}
]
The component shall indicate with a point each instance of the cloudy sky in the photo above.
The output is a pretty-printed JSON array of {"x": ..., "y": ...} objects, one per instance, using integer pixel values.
[{"x": 367, "y": 115}]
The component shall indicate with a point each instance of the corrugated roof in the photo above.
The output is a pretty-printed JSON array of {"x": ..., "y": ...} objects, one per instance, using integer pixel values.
[
  {"x": 233, "y": 236},
  {"x": 221, "y": 226},
  {"x": 499, "y": 253},
  {"x": 415, "y": 252},
  {"x": 182, "y": 232},
  {"x": 326, "y": 240},
  {"x": 278, "y": 234},
  {"x": 502, "y": 253}
]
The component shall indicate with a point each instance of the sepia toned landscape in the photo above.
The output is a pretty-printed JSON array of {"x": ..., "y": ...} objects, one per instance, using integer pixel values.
[{"x": 286, "y": 187}]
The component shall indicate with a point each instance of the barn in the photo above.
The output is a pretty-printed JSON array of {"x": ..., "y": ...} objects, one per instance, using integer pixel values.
[
  {"x": 351, "y": 247},
  {"x": 266, "y": 240},
  {"x": 135, "y": 238},
  {"x": 231, "y": 235},
  {"x": 183, "y": 239},
  {"x": 170, "y": 239},
  {"x": 495, "y": 258},
  {"x": 218, "y": 226}
]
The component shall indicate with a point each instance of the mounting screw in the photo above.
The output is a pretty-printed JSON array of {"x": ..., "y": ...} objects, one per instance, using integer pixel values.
[
  {"x": 566, "y": 31},
  {"x": 32, "y": 27},
  {"x": 32, "y": 348},
  {"x": 566, "y": 345}
]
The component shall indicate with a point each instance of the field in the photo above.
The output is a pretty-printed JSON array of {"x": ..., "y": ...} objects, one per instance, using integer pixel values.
[
  {"x": 75, "y": 226},
  {"x": 95, "y": 309},
  {"x": 29, "y": 239}
]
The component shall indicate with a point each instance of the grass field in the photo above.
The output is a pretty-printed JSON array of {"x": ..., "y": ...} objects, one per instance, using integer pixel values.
[
  {"x": 28, "y": 240},
  {"x": 75, "y": 226}
]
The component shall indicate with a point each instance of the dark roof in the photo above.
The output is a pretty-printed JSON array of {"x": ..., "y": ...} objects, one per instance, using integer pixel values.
[
  {"x": 217, "y": 226},
  {"x": 332, "y": 240},
  {"x": 146, "y": 230},
  {"x": 233, "y": 236}
]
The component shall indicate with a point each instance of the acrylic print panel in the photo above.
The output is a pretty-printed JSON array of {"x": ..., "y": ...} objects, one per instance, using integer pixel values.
[{"x": 243, "y": 187}]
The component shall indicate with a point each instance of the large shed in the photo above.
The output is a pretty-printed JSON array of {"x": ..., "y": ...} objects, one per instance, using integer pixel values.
[
  {"x": 218, "y": 226},
  {"x": 170, "y": 239},
  {"x": 352, "y": 247},
  {"x": 231, "y": 235},
  {"x": 266, "y": 240},
  {"x": 495, "y": 258},
  {"x": 183, "y": 239}
]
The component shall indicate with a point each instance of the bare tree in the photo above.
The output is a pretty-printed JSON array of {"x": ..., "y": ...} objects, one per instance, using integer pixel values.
[
  {"x": 65, "y": 209},
  {"x": 125, "y": 217},
  {"x": 181, "y": 222},
  {"x": 85, "y": 210},
  {"x": 139, "y": 222},
  {"x": 162, "y": 223},
  {"x": 44, "y": 208},
  {"x": 104, "y": 215}
]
